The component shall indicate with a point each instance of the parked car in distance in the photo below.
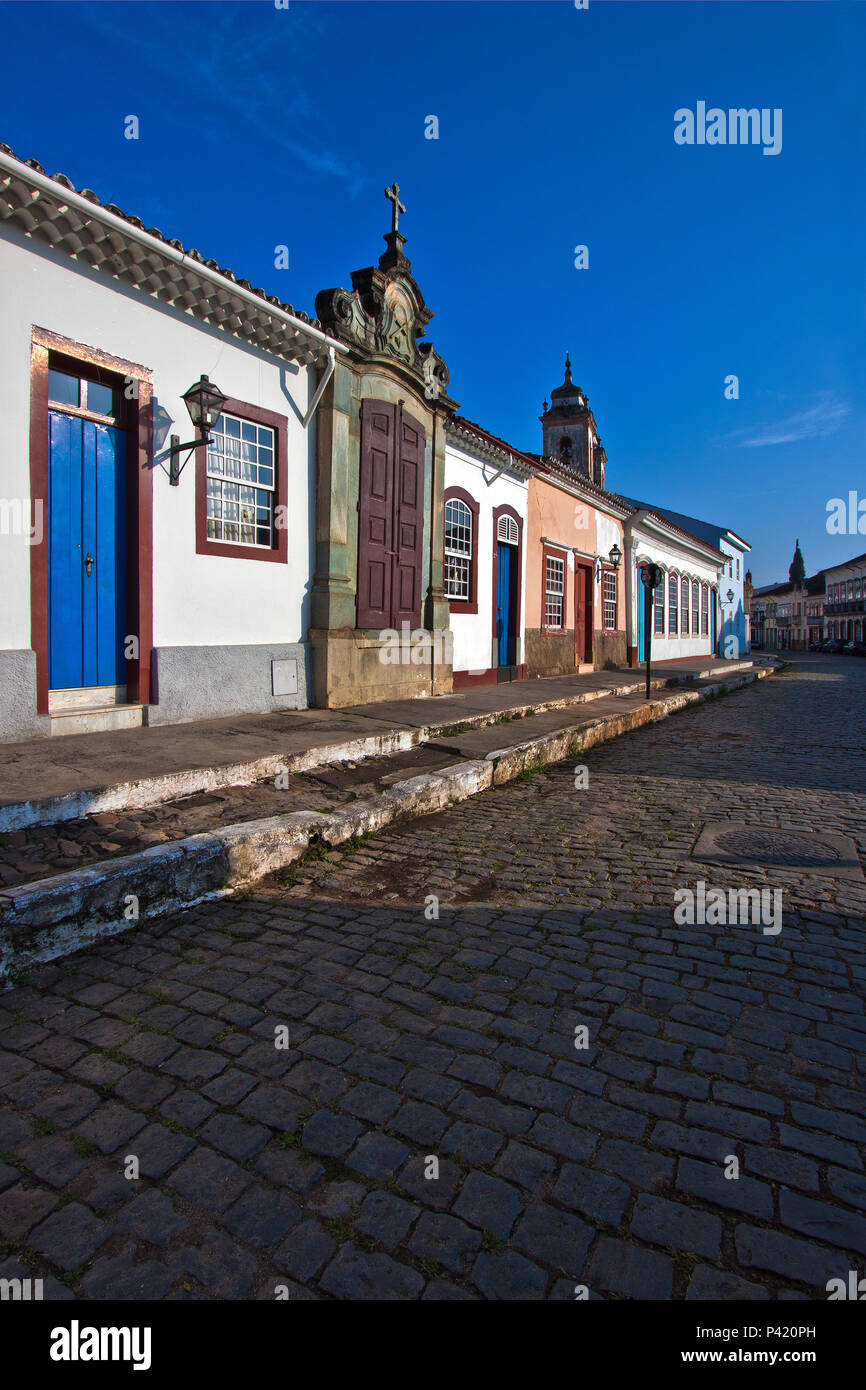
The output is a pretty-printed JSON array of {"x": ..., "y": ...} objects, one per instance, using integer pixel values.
[
  {"x": 854, "y": 649},
  {"x": 834, "y": 645}
]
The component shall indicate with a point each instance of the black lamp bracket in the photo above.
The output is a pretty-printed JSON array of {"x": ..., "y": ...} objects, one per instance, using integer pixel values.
[{"x": 174, "y": 467}]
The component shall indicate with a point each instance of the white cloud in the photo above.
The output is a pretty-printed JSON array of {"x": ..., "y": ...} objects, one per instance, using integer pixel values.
[{"x": 823, "y": 417}]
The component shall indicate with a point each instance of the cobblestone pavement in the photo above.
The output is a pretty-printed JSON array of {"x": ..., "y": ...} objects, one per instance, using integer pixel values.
[{"x": 410, "y": 1036}]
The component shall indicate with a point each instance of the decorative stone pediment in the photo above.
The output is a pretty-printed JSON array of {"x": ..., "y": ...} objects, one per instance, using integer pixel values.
[{"x": 384, "y": 314}]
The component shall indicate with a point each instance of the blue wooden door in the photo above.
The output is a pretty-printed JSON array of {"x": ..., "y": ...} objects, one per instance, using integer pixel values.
[
  {"x": 505, "y": 557},
  {"x": 87, "y": 553},
  {"x": 641, "y": 619}
]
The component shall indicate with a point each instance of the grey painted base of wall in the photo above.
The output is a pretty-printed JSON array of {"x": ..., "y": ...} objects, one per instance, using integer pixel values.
[
  {"x": 214, "y": 682},
  {"x": 18, "y": 717}
]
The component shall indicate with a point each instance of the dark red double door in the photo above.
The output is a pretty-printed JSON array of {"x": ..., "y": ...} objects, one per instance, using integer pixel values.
[{"x": 390, "y": 516}]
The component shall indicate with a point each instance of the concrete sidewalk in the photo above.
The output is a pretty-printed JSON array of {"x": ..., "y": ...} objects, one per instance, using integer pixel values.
[{"x": 48, "y": 780}]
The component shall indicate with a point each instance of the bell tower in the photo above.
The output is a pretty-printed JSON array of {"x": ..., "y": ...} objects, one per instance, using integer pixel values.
[{"x": 569, "y": 432}]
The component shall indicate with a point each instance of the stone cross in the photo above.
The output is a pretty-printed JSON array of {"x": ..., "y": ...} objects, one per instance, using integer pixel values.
[{"x": 394, "y": 194}]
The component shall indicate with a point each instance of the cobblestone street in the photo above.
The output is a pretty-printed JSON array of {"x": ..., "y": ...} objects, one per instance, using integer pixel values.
[{"x": 413, "y": 1036}]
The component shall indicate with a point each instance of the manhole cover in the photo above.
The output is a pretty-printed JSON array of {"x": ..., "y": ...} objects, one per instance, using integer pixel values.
[
  {"x": 776, "y": 847},
  {"x": 817, "y": 852}
]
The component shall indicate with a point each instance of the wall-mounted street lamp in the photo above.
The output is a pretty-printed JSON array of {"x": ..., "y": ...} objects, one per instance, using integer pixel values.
[
  {"x": 730, "y": 596},
  {"x": 205, "y": 402},
  {"x": 615, "y": 555}
]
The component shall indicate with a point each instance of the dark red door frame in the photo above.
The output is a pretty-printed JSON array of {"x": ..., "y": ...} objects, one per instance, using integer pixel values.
[{"x": 136, "y": 384}]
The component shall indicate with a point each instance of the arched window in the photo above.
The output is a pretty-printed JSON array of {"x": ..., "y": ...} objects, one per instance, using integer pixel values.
[
  {"x": 705, "y": 610},
  {"x": 659, "y": 607},
  {"x": 684, "y": 593},
  {"x": 696, "y": 598},
  {"x": 460, "y": 576},
  {"x": 673, "y": 605}
]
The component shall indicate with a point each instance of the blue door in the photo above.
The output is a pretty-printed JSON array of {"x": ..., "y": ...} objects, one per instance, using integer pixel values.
[
  {"x": 641, "y": 618},
  {"x": 87, "y": 553},
  {"x": 505, "y": 644}
]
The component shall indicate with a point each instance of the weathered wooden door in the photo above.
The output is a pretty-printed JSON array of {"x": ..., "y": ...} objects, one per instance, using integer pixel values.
[
  {"x": 582, "y": 613},
  {"x": 390, "y": 516}
]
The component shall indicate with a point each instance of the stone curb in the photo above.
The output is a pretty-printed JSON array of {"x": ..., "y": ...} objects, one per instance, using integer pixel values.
[
  {"x": 54, "y": 916},
  {"x": 153, "y": 791}
]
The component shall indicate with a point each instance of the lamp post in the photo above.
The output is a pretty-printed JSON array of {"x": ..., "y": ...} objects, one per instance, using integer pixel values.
[
  {"x": 205, "y": 402},
  {"x": 650, "y": 575}
]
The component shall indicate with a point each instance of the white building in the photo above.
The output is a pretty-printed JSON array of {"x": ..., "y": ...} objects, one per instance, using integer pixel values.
[
  {"x": 686, "y": 610},
  {"x": 128, "y": 599},
  {"x": 732, "y": 638},
  {"x": 486, "y": 494}
]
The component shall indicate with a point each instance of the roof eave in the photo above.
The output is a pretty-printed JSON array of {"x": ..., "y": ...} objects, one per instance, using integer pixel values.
[{"x": 86, "y": 230}]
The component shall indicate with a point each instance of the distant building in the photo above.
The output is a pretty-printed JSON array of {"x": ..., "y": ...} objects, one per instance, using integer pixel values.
[
  {"x": 789, "y": 616},
  {"x": 845, "y": 600},
  {"x": 814, "y": 603}
]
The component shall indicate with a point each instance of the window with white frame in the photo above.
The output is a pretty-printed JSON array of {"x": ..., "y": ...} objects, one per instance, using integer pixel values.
[
  {"x": 696, "y": 598},
  {"x": 241, "y": 483},
  {"x": 684, "y": 593},
  {"x": 659, "y": 607},
  {"x": 673, "y": 605},
  {"x": 609, "y": 600},
  {"x": 554, "y": 591},
  {"x": 705, "y": 610},
  {"x": 458, "y": 550}
]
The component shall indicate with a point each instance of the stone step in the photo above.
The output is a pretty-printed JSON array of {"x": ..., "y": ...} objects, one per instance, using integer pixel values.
[{"x": 98, "y": 719}]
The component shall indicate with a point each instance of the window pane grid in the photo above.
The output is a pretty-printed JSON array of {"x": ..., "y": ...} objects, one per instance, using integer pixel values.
[
  {"x": 458, "y": 550},
  {"x": 659, "y": 607},
  {"x": 554, "y": 592},
  {"x": 241, "y": 483},
  {"x": 609, "y": 600},
  {"x": 673, "y": 605}
]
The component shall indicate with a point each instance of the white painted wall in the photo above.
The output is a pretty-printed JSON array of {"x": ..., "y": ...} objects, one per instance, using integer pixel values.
[
  {"x": 199, "y": 600},
  {"x": 683, "y": 560},
  {"x": 472, "y": 632}
]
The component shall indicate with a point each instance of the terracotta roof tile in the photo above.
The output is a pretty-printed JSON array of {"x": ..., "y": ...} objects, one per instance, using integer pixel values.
[{"x": 134, "y": 221}]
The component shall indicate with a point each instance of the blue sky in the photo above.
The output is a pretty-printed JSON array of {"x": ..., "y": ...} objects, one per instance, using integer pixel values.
[{"x": 261, "y": 127}]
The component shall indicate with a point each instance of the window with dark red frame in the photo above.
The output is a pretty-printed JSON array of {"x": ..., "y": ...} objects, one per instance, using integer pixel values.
[
  {"x": 553, "y": 592},
  {"x": 460, "y": 570},
  {"x": 609, "y": 596},
  {"x": 242, "y": 486}
]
